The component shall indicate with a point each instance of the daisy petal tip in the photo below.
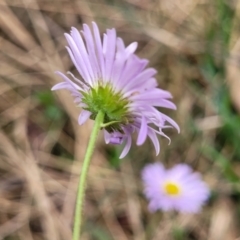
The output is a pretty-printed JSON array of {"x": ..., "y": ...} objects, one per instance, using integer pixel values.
[
  {"x": 83, "y": 117},
  {"x": 94, "y": 23},
  {"x": 74, "y": 29},
  {"x": 132, "y": 47},
  {"x": 178, "y": 130},
  {"x": 85, "y": 26},
  {"x": 142, "y": 132},
  {"x": 139, "y": 142},
  {"x": 58, "y": 73},
  {"x": 157, "y": 150},
  {"x": 67, "y": 36},
  {"x": 123, "y": 154}
]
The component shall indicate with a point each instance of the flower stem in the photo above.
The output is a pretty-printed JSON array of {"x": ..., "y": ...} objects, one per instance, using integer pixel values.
[{"x": 83, "y": 175}]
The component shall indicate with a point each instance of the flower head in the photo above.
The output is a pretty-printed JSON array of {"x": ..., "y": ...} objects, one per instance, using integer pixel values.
[
  {"x": 178, "y": 188},
  {"x": 115, "y": 81}
]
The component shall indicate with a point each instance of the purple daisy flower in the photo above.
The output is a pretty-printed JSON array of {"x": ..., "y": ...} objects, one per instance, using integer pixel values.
[
  {"x": 178, "y": 188},
  {"x": 115, "y": 81}
]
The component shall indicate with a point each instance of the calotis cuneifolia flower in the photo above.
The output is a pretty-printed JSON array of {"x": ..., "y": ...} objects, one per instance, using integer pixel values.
[
  {"x": 178, "y": 188},
  {"x": 115, "y": 81}
]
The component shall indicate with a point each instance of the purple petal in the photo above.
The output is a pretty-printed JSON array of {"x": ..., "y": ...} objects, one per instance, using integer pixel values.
[
  {"x": 62, "y": 85},
  {"x": 140, "y": 78},
  {"x": 98, "y": 43},
  {"x": 120, "y": 45},
  {"x": 83, "y": 117},
  {"x": 109, "y": 50},
  {"x": 107, "y": 136},
  {"x": 118, "y": 65},
  {"x": 171, "y": 122},
  {"x": 71, "y": 83},
  {"x": 158, "y": 102},
  {"x": 116, "y": 138},
  {"x": 153, "y": 172},
  {"x": 127, "y": 147},
  {"x": 131, "y": 49},
  {"x": 133, "y": 66},
  {"x": 154, "y": 139},
  {"x": 79, "y": 61},
  {"x": 143, "y": 132},
  {"x": 164, "y": 135},
  {"x": 91, "y": 51},
  {"x": 82, "y": 50},
  {"x": 153, "y": 206},
  {"x": 154, "y": 93}
]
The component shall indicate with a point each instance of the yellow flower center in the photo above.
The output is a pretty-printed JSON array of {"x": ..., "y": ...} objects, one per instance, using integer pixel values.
[{"x": 171, "y": 189}]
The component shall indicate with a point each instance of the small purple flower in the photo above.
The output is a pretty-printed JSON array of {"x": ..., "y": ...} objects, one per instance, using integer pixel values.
[
  {"x": 115, "y": 81},
  {"x": 178, "y": 188}
]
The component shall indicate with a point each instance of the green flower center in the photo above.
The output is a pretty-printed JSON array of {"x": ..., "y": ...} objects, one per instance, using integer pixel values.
[{"x": 112, "y": 104}]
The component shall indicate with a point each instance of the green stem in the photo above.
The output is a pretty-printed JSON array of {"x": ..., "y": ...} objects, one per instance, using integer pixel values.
[{"x": 83, "y": 175}]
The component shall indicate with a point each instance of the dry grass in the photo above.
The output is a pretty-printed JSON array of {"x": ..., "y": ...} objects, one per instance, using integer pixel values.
[{"x": 41, "y": 144}]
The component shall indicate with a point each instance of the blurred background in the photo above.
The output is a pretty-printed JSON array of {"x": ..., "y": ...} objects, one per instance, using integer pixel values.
[{"x": 194, "y": 45}]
